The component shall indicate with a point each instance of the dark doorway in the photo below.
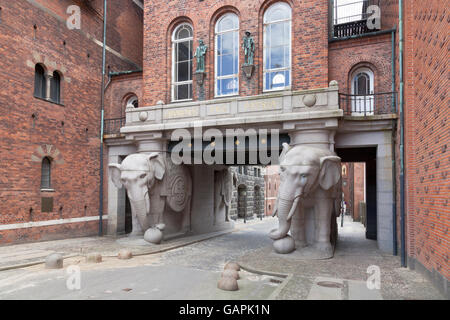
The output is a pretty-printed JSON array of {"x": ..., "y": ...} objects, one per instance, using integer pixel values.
[
  {"x": 369, "y": 156},
  {"x": 128, "y": 216}
]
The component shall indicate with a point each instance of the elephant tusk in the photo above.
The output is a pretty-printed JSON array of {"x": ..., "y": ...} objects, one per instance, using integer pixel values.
[
  {"x": 294, "y": 207},
  {"x": 275, "y": 210}
]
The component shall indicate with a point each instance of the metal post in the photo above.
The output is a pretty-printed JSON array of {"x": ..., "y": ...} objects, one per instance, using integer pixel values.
[{"x": 100, "y": 225}]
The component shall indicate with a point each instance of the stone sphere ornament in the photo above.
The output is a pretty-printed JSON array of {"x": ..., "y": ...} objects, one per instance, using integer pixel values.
[
  {"x": 285, "y": 245},
  {"x": 228, "y": 284},
  {"x": 153, "y": 235},
  {"x": 310, "y": 100},
  {"x": 232, "y": 266},
  {"x": 143, "y": 116},
  {"x": 228, "y": 273},
  {"x": 125, "y": 254}
]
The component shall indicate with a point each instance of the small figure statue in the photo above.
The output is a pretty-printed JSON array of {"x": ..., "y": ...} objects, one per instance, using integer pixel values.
[
  {"x": 200, "y": 55},
  {"x": 249, "y": 48}
]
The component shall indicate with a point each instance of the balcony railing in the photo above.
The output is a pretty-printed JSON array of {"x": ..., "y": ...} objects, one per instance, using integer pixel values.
[
  {"x": 112, "y": 126},
  {"x": 368, "y": 105},
  {"x": 350, "y": 17}
]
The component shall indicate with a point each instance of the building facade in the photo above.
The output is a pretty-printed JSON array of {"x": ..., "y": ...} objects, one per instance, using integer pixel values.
[{"x": 323, "y": 73}]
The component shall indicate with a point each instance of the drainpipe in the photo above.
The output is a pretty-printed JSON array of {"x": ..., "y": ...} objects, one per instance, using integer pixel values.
[
  {"x": 402, "y": 138},
  {"x": 100, "y": 225},
  {"x": 394, "y": 156}
]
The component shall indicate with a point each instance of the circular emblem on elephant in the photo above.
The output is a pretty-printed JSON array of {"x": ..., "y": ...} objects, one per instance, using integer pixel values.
[{"x": 178, "y": 197}]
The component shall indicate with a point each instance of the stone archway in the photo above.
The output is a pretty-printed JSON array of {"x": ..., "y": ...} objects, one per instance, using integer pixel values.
[
  {"x": 242, "y": 201},
  {"x": 258, "y": 201}
]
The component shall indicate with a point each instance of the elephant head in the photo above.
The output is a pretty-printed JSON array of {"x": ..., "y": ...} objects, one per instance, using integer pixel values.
[
  {"x": 303, "y": 170},
  {"x": 138, "y": 173}
]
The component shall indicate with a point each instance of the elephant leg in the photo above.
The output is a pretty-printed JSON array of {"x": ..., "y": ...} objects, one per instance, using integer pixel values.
[
  {"x": 298, "y": 228},
  {"x": 323, "y": 211},
  {"x": 136, "y": 226}
]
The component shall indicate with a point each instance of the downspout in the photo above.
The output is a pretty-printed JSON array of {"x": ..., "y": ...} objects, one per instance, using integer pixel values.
[
  {"x": 394, "y": 160},
  {"x": 402, "y": 138},
  {"x": 100, "y": 225}
]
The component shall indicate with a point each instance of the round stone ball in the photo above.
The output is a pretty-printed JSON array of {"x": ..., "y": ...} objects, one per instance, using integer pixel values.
[
  {"x": 54, "y": 261},
  {"x": 125, "y": 254},
  {"x": 228, "y": 273},
  {"x": 285, "y": 245},
  {"x": 232, "y": 266},
  {"x": 153, "y": 235},
  {"x": 228, "y": 284}
]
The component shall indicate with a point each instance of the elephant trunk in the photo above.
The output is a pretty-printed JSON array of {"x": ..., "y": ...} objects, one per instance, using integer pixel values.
[
  {"x": 285, "y": 209},
  {"x": 141, "y": 210}
]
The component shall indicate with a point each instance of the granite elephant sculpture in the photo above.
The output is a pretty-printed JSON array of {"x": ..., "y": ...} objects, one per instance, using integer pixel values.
[
  {"x": 310, "y": 181},
  {"x": 159, "y": 192},
  {"x": 224, "y": 181}
]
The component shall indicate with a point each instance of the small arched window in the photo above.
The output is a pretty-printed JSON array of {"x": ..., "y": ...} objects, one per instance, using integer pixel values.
[
  {"x": 363, "y": 90},
  {"x": 55, "y": 92},
  {"x": 46, "y": 169},
  {"x": 40, "y": 85},
  {"x": 227, "y": 55},
  {"x": 133, "y": 102},
  {"x": 277, "y": 47},
  {"x": 182, "y": 43}
]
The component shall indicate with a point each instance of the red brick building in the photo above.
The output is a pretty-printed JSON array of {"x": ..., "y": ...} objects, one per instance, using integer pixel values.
[
  {"x": 272, "y": 183},
  {"x": 150, "y": 57},
  {"x": 54, "y": 128}
]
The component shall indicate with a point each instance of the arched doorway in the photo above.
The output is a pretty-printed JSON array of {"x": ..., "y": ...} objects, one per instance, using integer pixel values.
[
  {"x": 242, "y": 201},
  {"x": 258, "y": 202}
]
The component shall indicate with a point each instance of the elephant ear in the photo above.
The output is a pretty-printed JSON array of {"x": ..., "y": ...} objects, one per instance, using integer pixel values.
[
  {"x": 158, "y": 164},
  {"x": 114, "y": 173},
  {"x": 330, "y": 171}
]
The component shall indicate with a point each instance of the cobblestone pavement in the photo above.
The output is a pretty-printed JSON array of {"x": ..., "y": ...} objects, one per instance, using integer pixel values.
[{"x": 192, "y": 272}]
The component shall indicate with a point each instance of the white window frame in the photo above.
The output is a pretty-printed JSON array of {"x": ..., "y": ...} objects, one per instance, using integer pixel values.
[
  {"x": 265, "y": 49},
  {"x": 369, "y": 103},
  {"x": 174, "y": 61},
  {"x": 216, "y": 60}
]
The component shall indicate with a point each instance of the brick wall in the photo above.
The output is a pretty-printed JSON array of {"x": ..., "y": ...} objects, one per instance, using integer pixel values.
[
  {"x": 372, "y": 52},
  {"x": 427, "y": 134},
  {"x": 119, "y": 91},
  {"x": 309, "y": 43},
  {"x": 32, "y": 128},
  {"x": 271, "y": 178}
]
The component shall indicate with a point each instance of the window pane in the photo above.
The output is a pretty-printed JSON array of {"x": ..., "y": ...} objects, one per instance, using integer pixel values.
[
  {"x": 184, "y": 32},
  {"x": 225, "y": 65},
  {"x": 183, "y": 71},
  {"x": 227, "y": 86},
  {"x": 227, "y": 43},
  {"x": 183, "y": 91},
  {"x": 275, "y": 80},
  {"x": 183, "y": 50},
  {"x": 277, "y": 34},
  {"x": 45, "y": 174},
  {"x": 277, "y": 58}
]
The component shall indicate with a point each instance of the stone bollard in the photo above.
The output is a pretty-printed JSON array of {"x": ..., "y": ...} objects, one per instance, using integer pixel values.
[
  {"x": 229, "y": 273},
  {"x": 94, "y": 258},
  {"x": 285, "y": 245},
  {"x": 54, "y": 261},
  {"x": 232, "y": 266},
  {"x": 228, "y": 284},
  {"x": 125, "y": 254}
]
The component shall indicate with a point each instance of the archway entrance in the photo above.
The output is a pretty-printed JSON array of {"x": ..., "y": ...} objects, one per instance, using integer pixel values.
[
  {"x": 258, "y": 202},
  {"x": 242, "y": 201},
  {"x": 360, "y": 200}
]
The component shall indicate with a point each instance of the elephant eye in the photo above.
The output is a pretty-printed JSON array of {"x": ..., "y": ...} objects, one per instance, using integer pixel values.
[{"x": 143, "y": 175}]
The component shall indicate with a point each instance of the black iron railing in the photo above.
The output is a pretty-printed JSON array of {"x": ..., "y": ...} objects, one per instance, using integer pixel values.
[
  {"x": 112, "y": 126},
  {"x": 368, "y": 105},
  {"x": 350, "y": 18}
]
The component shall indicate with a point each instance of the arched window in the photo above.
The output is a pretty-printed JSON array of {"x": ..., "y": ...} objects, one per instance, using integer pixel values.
[
  {"x": 46, "y": 169},
  {"x": 40, "y": 85},
  {"x": 277, "y": 47},
  {"x": 182, "y": 43},
  {"x": 133, "y": 102},
  {"x": 55, "y": 88},
  {"x": 363, "y": 89},
  {"x": 227, "y": 55}
]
